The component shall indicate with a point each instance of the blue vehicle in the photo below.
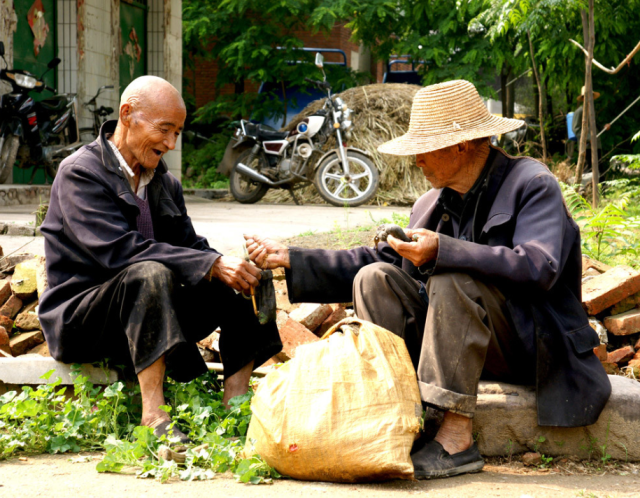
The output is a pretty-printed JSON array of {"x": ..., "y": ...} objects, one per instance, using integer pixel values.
[{"x": 396, "y": 75}]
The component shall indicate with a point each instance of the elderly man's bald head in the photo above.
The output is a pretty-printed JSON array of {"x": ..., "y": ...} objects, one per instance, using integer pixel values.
[{"x": 150, "y": 90}]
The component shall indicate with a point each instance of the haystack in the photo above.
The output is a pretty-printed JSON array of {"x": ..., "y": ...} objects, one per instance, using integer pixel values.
[{"x": 381, "y": 112}]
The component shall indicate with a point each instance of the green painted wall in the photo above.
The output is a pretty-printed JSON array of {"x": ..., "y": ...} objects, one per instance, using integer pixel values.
[{"x": 132, "y": 17}]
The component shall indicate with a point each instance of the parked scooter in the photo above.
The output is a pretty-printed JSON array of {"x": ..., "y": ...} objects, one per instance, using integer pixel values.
[
  {"x": 39, "y": 134},
  {"x": 292, "y": 160}
]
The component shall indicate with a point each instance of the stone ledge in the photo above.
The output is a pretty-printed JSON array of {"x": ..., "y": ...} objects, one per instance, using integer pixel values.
[
  {"x": 506, "y": 422},
  {"x": 28, "y": 370},
  {"x": 207, "y": 193}
]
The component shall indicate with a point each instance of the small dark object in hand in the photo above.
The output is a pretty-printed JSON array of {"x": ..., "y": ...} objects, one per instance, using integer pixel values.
[
  {"x": 389, "y": 229},
  {"x": 266, "y": 298}
]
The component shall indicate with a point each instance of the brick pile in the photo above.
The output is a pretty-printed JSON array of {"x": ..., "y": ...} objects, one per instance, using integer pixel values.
[
  {"x": 611, "y": 297},
  {"x": 23, "y": 279}
]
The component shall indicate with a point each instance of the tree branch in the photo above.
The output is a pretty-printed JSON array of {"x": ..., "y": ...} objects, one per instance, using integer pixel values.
[{"x": 626, "y": 60}]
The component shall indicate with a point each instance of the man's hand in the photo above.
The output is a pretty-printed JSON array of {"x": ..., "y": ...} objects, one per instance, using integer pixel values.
[
  {"x": 236, "y": 273},
  {"x": 421, "y": 251},
  {"x": 266, "y": 253}
]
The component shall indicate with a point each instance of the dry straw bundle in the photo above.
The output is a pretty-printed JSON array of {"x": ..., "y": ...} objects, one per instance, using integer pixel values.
[{"x": 381, "y": 113}]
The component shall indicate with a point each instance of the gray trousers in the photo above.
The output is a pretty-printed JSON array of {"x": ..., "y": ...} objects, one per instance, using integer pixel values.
[{"x": 461, "y": 335}]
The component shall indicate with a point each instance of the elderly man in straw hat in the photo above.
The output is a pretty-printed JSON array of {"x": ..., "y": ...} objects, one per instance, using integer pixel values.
[{"x": 488, "y": 288}]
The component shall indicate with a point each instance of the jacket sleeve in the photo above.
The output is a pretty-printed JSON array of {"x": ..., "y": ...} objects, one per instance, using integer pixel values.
[
  {"x": 93, "y": 221},
  {"x": 325, "y": 276},
  {"x": 540, "y": 224}
]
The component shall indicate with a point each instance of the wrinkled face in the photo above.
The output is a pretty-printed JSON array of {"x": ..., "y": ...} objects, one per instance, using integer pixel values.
[
  {"x": 441, "y": 167},
  {"x": 154, "y": 129}
]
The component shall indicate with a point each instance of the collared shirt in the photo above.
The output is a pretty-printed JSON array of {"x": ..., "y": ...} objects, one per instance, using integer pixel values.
[{"x": 145, "y": 174}]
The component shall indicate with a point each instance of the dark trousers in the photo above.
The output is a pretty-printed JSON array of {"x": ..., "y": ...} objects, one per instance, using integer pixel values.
[
  {"x": 143, "y": 313},
  {"x": 461, "y": 335}
]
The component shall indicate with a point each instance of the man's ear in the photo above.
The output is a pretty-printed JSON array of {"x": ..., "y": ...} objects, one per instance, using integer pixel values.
[{"x": 125, "y": 114}]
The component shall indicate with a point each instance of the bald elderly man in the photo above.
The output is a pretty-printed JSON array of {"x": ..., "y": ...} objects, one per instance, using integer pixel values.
[{"x": 129, "y": 279}]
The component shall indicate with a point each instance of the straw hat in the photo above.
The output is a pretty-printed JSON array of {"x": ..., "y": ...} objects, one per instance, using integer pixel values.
[
  {"x": 447, "y": 114},
  {"x": 580, "y": 97}
]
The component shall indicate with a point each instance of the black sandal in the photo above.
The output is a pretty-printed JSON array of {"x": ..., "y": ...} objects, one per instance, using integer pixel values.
[
  {"x": 163, "y": 429},
  {"x": 432, "y": 460}
]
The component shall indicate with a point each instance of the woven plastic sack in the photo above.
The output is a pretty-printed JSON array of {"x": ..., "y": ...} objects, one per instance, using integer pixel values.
[{"x": 345, "y": 409}]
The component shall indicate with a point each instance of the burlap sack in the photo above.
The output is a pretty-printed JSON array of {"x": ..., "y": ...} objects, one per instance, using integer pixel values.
[{"x": 345, "y": 409}]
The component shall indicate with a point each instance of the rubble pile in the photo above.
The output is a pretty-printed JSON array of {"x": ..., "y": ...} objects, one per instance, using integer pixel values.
[
  {"x": 611, "y": 297},
  {"x": 23, "y": 279}
]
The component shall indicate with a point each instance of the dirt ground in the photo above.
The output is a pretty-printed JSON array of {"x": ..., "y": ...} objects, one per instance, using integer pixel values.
[{"x": 59, "y": 476}]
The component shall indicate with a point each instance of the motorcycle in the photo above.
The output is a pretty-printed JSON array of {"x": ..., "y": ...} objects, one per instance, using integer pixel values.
[
  {"x": 294, "y": 159},
  {"x": 39, "y": 134}
]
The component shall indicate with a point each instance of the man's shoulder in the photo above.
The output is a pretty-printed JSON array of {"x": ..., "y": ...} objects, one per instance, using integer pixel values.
[
  {"x": 88, "y": 157},
  {"x": 524, "y": 169},
  {"x": 426, "y": 200}
]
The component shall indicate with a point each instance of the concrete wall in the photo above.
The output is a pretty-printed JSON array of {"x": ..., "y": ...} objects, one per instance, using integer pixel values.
[
  {"x": 173, "y": 68},
  {"x": 8, "y": 22}
]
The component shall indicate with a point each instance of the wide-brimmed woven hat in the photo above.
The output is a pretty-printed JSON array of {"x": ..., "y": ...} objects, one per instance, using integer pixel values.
[
  {"x": 447, "y": 114},
  {"x": 580, "y": 97}
]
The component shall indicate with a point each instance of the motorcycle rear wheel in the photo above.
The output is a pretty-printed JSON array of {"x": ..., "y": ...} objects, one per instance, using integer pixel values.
[
  {"x": 244, "y": 189},
  {"x": 8, "y": 155},
  {"x": 354, "y": 189}
]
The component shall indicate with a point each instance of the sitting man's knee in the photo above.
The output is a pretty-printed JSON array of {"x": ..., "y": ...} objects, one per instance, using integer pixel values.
[
  {"x": 152, "y": 274},
  {"x": 373, "y": 273}
]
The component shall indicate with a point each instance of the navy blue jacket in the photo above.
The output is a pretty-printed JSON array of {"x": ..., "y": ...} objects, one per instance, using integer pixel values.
[
  {"x": 520, "y": 238},
  {"x": 91, "y": 235}
]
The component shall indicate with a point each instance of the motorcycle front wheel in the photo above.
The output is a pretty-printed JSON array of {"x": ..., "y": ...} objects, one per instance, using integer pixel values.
[
  {"x": 353, "y": 189},
  {"x": 8, "y": 153},
  {"x": 244, "y": 189}
]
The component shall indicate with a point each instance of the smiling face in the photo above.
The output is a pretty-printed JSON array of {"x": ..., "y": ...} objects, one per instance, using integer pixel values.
[{"x": 151, "y": 127}]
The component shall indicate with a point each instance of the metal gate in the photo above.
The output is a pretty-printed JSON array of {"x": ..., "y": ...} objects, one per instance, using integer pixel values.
[{"x": 133, "y": 28}]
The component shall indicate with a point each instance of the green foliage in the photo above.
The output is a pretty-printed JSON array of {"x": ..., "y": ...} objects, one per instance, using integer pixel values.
[
  {"x": 199, "y": 164},
  {"x": 610, "y": 231},
  {"x": 45, "y": 420}
]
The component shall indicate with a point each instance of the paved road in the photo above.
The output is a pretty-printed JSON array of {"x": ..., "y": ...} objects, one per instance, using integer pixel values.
[{"x": 223, "y": 223}]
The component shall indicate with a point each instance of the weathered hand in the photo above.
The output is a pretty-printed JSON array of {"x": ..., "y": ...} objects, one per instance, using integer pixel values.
[
  {"x": 423, "y": 249},
  {"x": 266, "y": 253},
  {"x": 236, "y": 273}
]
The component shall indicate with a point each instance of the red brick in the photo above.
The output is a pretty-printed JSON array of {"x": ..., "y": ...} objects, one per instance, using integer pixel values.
[
  {"x": 292, "y": 335},
  {"x": 11, "y": 307},
  {"x": 624, "y": 323},
  {"x": 338, "y": 314},
  {"x": 601, "y": 352},
  {"x": 588, "y": 262},
  {"x": 611, "y": 368},
  {"x": 28, "y": 321},
  {"x": 5, "y": 291},
  {"x": 41, "y": 349},
  {"x": 311, "y": 315},
  {"x": 6, "y": 322},
  {"x": 22, "y": 343},
  {"x": 621, "y": 355},
  {"x": 600, "y": 293},
  {"x": 637, "y": 346},
  {"x": 4, "y": 341}
]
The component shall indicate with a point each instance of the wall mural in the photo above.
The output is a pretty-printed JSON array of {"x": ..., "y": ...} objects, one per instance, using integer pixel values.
[
  {"x": 133, "y": 50},
  {"x": 38, "y": 25}
]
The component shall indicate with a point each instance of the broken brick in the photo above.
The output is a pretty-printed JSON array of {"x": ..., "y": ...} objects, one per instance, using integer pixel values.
[
  {"x": 602, "y": 292},
  {"x": 6, "y": 323},
  {"x": 588, "y": 262},
  {"x": 532, "y": 459},
  {"x": 28, "y": 321},
  {"x": 292, "y": 335},
  {"x": 212, "y": 341},
  {"x": 23, "y": 283},
  {"x": 621, "y": 355},
  {"x": 628, "y": 303},
  {"x": 311, "y": 315},
  {"x": 624, "y": 323},
  {"x": 338, "y": 314},
  {"x": 4, "y": 341},
  {"x": 22, "y": 343},
  {"x": 5, "y": 291},
  {"x": 41, "y": 349},
  {"x": 611, "y": 368},
  {"x": 601, "y": 352},
  {"x": 11, "y": 307}
]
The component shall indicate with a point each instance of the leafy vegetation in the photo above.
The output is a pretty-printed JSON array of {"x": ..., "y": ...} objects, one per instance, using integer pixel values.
[
  {"x": 199, "y": 163},
  {"x": 46, "y": 420}
]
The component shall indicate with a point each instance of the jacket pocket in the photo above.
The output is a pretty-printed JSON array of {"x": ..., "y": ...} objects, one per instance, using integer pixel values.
[
  {"x": 496, "y": 220},
  {"x": 584, "y": 340}
]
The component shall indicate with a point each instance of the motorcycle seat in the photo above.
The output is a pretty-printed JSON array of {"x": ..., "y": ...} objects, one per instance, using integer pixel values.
[
  {"x": 272, "y": 134},
  {"x": 53, "y": 104}
]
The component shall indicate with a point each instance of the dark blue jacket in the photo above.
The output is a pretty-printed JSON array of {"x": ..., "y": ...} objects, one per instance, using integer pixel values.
[
  {"x": 91, "y": 235},
  {"x": 520, "y": 238}
]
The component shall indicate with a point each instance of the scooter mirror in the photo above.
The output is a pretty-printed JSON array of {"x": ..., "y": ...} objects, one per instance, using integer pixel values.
[
  {"x": 1, "y": 49},
  {"x": 54, "y": 62},
  {"x": 319, "y": 60}
]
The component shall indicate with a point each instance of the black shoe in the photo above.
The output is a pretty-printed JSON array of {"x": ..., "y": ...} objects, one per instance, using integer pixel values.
[
  {"x": 163, "y": 430},
  {"x": 432, "y": 460}
]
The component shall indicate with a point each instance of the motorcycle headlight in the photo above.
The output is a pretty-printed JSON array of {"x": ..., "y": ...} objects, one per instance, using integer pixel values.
[{"x": 25, "y": 81}]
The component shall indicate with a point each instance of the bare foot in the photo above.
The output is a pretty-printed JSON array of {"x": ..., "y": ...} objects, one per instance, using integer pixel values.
[
  {"x": 237, "y": 384},
  {"x": 455, "y": 433}
]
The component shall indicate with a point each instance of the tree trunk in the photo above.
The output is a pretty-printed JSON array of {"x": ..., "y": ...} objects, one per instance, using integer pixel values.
[
  {"x": 541, "y": 94},
  {"x": 592, "y": 109},
  {"x": 582, "y": 149}
]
